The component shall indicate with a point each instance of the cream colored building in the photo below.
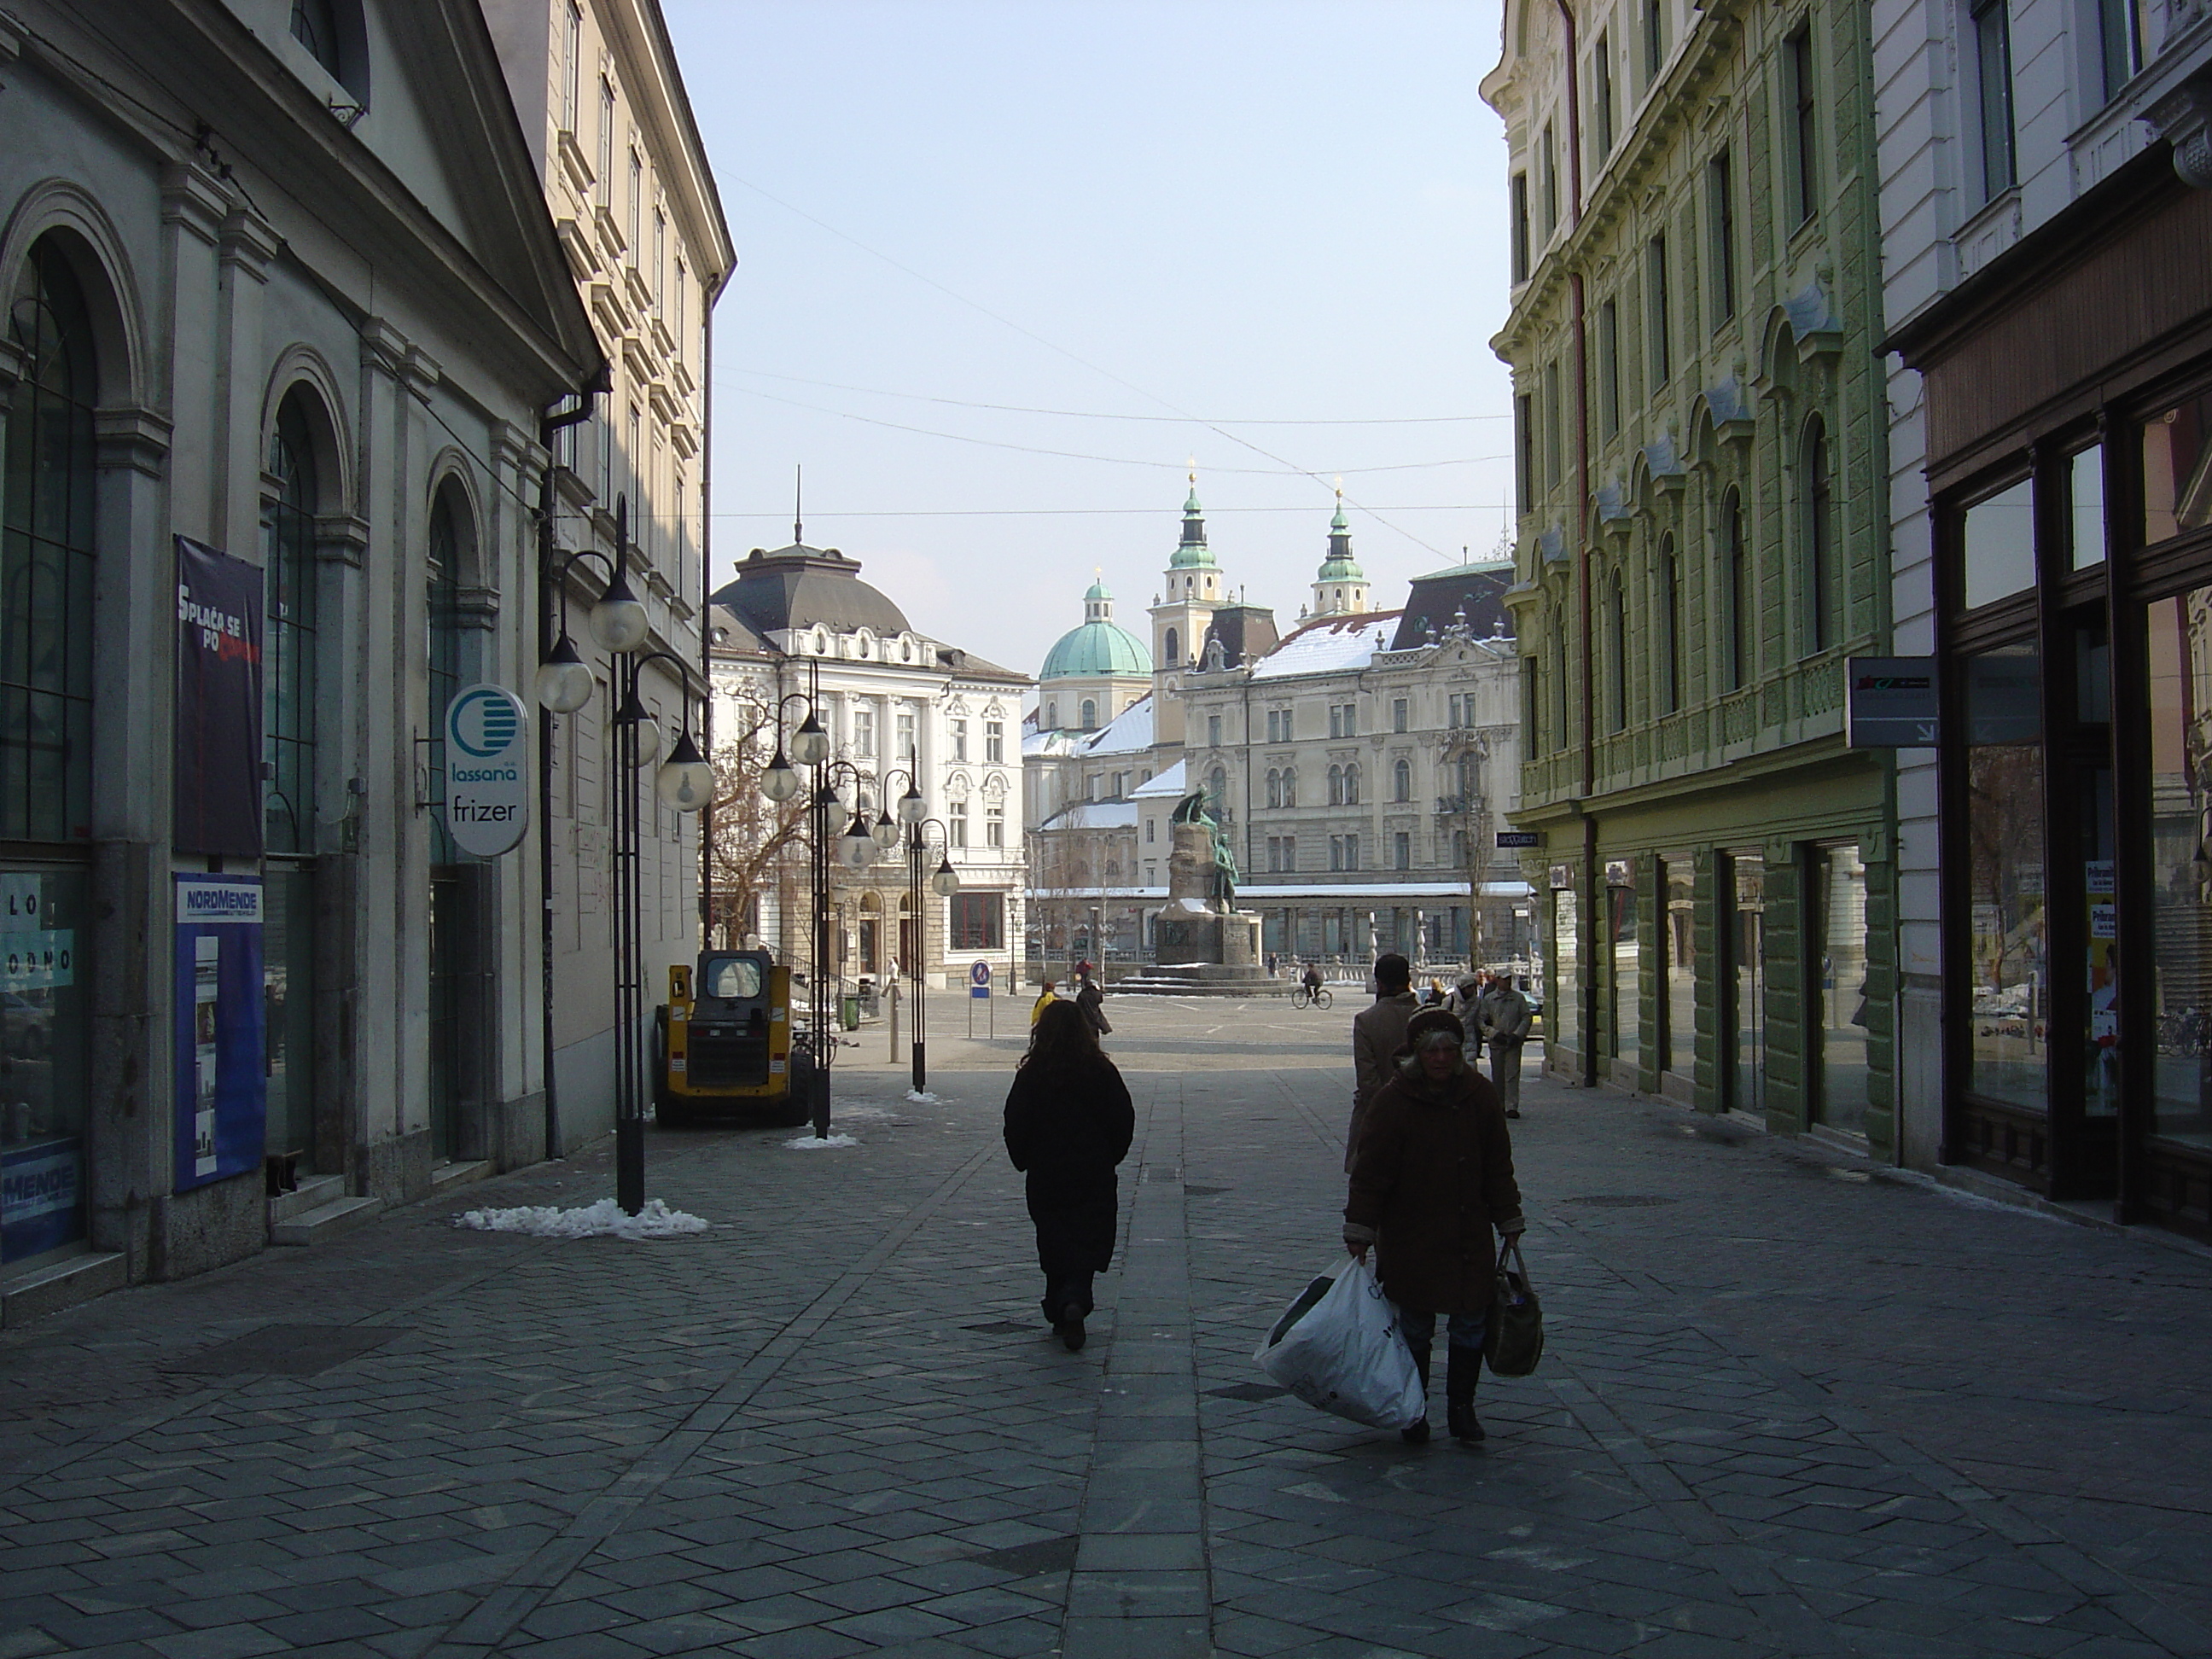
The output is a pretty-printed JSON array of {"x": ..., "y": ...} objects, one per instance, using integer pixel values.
[{"x": 604, "y": 111}]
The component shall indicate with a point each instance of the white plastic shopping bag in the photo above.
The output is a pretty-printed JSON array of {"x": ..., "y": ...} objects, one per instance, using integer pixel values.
[{"x": 1339, "y": 1348}]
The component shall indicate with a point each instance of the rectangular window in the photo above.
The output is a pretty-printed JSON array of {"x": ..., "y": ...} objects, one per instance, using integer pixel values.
[
  {"x": 994, "y": 826},
  {"x": 1352, "y": 851},
  {"x": 1336, "y": 851},
  {"x": 1551, "y": 184},
  {"x": 636, "y": 202},
  {"x": 1519, "y": 189},
  {"x": 1993, "y": 78},
  {"x": 571, "y": 67},
  {"x": 1452, "y": 717},
  {"x": 864, "y": 733},
  {"x": 1213, "y": 730},
  {"x": 1655, "y": 330},
  {"x": 1654, "y": 39},
  {"x": 2085, "y": 493},
  {"x": 1290, "y": 852},
  {"x": 905, "y": 736},
  {"x": 1997, "y": 542},
  {"x": 1601, "y": 114},
  {"x": 1524, "y": 454},
  {"x": 959, "y": 740},
  {"x": 659, "y": 258},
  {"x": 1554, "y": 462},
  {"x": 2005, "y": 879},
  {"x": 956, "y": 830},
  {"x": 2176, "y": 470},
  {"x": 683, "y": 287},
  {"x": 1804, "y": 135},
  {"x": 1402, "y": 847},
  {"x": 1720, "y": 215},
  {"x": 606, "y": 181},
  {"x": 977, "y": 921},
  {"x": 1352, "y": 720},
  {"x": 2120, "y": 37},
  {"x": 1532, "y": 698},
  {"x": 1152, "y": 826},
  {"x": 1608, "y": 368},
  {"x": 1398, "y": 710},
  {"x": 994, "y": 742}
]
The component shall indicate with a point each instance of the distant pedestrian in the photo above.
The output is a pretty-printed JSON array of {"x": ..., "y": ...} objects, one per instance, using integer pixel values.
[
  {"x": 1503, "y": 1018},
  {"x": 1377, "y": 1032},
  {"x": 1461, "y": 1005},
  {"x": 1432, "y": 1177},
  {"x": 1092, "y": 1001},
  {"x": 1069, "y": 1122},
  {"x": 1046, "y": 998}
]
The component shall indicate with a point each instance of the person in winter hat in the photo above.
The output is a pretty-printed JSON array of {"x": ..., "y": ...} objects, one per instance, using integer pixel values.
[
  {"x": 1432, "y": 1178},
  {"x": 1068, "y": 1124}
]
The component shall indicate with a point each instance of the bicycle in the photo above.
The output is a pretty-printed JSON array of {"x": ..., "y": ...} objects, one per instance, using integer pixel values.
[{"x": 1314, "y": 997}]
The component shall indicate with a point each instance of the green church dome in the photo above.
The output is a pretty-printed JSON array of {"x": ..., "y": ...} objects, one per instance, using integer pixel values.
[{"x": 1098, "y": 647}]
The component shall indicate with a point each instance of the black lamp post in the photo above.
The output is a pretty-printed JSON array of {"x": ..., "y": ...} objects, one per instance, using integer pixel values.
[
  {"x": 780, "y": 781},
  {"x": 943, "y": 882},
  {"x": 619, "y": 625}
]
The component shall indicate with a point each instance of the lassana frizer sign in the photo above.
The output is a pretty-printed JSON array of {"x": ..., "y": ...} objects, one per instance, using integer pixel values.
[{"x": 486, "y": 774}]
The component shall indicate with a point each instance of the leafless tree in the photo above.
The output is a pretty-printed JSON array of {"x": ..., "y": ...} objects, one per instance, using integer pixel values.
[{"x": 754, "y": 838}]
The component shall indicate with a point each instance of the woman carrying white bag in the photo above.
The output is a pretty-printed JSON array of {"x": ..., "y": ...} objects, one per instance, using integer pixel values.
[{"x": 1432, "y": 1177}]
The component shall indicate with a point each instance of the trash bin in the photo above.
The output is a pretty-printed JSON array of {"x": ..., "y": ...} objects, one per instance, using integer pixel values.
[{"x": 848, "y": 1012}]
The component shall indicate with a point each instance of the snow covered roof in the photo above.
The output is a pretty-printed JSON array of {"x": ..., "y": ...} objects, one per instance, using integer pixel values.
[
  {"x": 1333, "y": 645},
  {"x": 1253, "y": 893},
  {"x": 1094, "y": 815},
  {"x": 1127, "y": 733},
  {"x": 1045, "y": 743},
  {"x": 1168, "y": 782}
]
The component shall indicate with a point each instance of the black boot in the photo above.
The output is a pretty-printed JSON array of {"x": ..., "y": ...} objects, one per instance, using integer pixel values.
[
  {"x": 1416, "y": 1433},
  {"x": 1462, "y": 1371}
]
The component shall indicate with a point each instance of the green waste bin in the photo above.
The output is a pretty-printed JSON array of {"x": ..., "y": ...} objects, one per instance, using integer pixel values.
[{"x": 848, "y": 1012}]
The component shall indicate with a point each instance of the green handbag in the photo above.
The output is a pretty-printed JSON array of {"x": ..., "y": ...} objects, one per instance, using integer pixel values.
[{"x": 1513, "y": 1336}]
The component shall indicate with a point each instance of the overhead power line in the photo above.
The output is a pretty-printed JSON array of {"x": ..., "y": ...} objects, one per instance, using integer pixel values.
[{"x": 1101, "y": 415}]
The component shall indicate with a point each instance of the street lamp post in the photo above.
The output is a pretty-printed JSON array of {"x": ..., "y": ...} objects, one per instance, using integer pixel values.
[
  {"x": 915, "y": 827},
  {"x": 685, "y": 782}
]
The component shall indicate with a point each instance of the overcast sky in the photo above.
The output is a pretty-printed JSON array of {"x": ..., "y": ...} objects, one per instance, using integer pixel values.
[{"x": 1208, "y": 214}]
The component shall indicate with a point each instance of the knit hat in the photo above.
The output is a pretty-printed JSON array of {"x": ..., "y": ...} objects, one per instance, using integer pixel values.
[{"x": 1429, "y": 1022}]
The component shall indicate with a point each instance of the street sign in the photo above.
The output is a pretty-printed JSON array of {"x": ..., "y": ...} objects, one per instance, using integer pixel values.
[
  {"x": 979, "y": 979},
  {"x": 1509, "y": 839},
  {"x": 1890, "y": 703},
  {"x": 487, "y": 775}
]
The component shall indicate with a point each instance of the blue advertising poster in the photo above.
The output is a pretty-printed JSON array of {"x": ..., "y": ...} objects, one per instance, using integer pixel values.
[
  {"x": 41, "y": 1196},
  {"x": 221, "y": 1079}
]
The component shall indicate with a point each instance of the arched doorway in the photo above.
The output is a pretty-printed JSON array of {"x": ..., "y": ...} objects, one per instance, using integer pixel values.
[{"x": 456, "y": 947}]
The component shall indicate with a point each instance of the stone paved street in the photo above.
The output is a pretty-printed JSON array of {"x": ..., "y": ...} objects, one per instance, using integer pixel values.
[{"x": 1790, "y": 1405}]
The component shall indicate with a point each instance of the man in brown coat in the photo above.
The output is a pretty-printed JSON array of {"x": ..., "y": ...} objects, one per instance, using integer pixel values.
[
  {"x": 1376, "y": 1033},
  {"x": 1430, "y": 1179}
]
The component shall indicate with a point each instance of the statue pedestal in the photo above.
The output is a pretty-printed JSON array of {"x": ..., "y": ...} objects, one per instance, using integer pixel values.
[{"x": 1187, "y": 933}]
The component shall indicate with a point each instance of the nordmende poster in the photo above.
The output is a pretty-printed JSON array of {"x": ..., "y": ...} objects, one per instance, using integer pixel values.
[
  {"x": 221, "y": 1103},
  {"x": 218, "y": 758}
]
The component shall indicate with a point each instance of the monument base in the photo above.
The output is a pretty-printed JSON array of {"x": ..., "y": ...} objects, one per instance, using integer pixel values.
[
  {"x": 1197, "y": 936},
  {"x": 1202, "y": 979}
]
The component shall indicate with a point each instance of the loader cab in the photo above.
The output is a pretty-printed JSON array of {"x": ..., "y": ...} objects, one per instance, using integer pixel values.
[{"x": 724, "y": 1038}]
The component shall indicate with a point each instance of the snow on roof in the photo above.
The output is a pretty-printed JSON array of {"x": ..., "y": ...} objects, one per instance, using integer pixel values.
[
  {"x": 1044, "y": 743},
  {"x": 1127, "y": 733},
  {"x": 1094, "y": 815},
  {"x": 1168, "y": 782},
  {"x": 1333, "y": 645}
]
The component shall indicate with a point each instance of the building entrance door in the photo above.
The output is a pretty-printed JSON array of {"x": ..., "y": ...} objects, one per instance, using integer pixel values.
[{"x": 288, "y": 997}]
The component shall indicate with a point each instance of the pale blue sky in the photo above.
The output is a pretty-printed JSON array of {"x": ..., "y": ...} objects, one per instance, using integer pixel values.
[{"x": 1287, "y": 211}]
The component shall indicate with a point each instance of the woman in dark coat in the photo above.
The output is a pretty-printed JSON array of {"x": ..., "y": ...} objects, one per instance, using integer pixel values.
[
  {"x": 1432, "y": 1177},
  {"x": 1068, "y": 1124}
]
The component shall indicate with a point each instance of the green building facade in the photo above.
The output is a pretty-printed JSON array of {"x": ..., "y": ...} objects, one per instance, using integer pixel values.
[{"x": 1701, "y": 544}]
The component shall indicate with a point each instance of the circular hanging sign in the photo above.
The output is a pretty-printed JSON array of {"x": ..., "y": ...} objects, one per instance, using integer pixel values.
[{"x": 486, "y": 774}]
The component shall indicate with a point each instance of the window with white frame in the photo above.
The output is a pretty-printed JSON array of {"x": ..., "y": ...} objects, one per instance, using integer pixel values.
[
  {"x": 958, "y": 728},
  {"x": 994, "y": 742},
  {"x": 994, "y": 824},
  {"x": 956, "y": 833}
]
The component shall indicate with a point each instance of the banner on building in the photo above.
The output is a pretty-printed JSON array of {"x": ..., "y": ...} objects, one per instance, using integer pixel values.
[
  {"x": 221, "y": 1105},
  {"x": 218, "y": 714}
]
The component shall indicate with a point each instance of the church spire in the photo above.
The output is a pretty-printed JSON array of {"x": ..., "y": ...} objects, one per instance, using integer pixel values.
[
  {"x": 1192, "y": 549},
  {"x": 1340, "y": 585}
]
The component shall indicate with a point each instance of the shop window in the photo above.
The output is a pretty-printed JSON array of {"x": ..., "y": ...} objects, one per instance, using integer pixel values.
[
  {"x": 1997, "y": 545},
  {"x": 1563, "y": 1009},
  {"x": 1748, "y": 977},
  {"x": 1838, "y": 924},
  {"x": 2085, "y": 498},
  {"x": 2007, "y": 1057},
  {"x": 978, "y": 921},
  {"x": 1624, "y": 1004},
  {"x": 2177, "y": 466},
  {"x": 1678, "y": 957},
  {"x": 44, "y": 1019},
  {"x": 2180, "y": 789}
]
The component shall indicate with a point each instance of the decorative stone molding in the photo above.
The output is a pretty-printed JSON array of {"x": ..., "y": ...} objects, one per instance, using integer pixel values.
[
  {"x": 138, "y": 438},
  {"x": 195, "y": 200},
  {"x": 477, "y": 607},
  {"x": 1811, "y": 315},
  {"x": 1730, "y": 406},
  {"x": 2183, "y": 119},
  {"x": 11, "y": 40},
  {"x": 1613, "y": 513},
  {"x": 383, "y": 348},
  {"x": 248, "y": 243},
  {"x": 1665, "y": 461},
  {"x": 341, "y": 537},
  {"x": 422, "y": 372}
]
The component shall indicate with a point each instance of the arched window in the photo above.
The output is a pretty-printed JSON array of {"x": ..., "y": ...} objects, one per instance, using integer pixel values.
[
  {"x": 1401, "y": 781},
  {"x": 1052, "y": 717},
  {"x": 1351, "y": 785},
  {"x": 1275, "y": 788},
  {"x": 1736, "y": 564},
  {"x": 1090, "y": 715},
  {"x": 1168, "y": 659},
  {"x": 287, "y": 636},
  {"x": 1216, "y": 789},
  {"x": 1336, "y": 786},
  {"x": 1616, "y": 714},
  {"x": 1822, "y": 583},
  {"x": 1290, "y": 786},
  {"x": 1670, "y": 627},
  {"x": 47, "y": 560}
]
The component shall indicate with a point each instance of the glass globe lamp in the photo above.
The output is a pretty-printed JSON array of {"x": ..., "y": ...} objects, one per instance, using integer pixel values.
[
  {"x": 910, "y": 806},
  {"x": 810, "y": 745},
  {"x": 947, "y": 882},
  {"x": 885, "y": 832},
  {"x": 856, "y": 847},
  {"x": 687, "y": 781},
  {"x": 780, "y": 781},
  {"x": 564, "y": 679},
  {"x": 619, "y": 621}
]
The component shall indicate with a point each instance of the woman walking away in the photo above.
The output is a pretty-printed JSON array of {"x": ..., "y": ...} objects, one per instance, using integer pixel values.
[
  {"x": 1046, "y": 998},
  {"x": 1068, "y": 1124},
  {"x": 1432, "y": 1174}
]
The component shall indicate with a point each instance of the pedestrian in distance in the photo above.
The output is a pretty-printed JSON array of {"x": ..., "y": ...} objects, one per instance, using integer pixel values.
[
  {"x": 1503, "y": 1016},
  {"x": 1432, "y": 1178},
  {"x": 1377, "y": 1034},
  {"x": 1069, "y": 1122},
  {"x": 1092, "y": 1001},
  {"x": 1460, "y": 1005},
  {"x": 1046, "y": 998}
]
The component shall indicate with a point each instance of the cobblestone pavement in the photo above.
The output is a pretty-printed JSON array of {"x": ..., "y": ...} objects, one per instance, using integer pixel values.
[{"x": 1790, "y": 1405}]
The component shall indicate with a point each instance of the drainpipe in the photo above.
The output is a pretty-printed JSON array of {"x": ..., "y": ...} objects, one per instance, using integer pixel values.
[
  {"x": 1588, "y": 911},
  {"x": 550, "y": 427}
]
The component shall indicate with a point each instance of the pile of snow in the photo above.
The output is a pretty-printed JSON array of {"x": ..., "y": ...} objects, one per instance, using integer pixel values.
[
  {"x": 921, "y": 1099},
  {"x": 604, "y": 1220},
  {"x": 808, "y": 1143}
]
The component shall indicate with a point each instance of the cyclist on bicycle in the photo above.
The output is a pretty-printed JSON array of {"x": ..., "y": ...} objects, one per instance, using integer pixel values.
[
  {"x": 1311, "y": 978},
  {"x": 1377, "y": 1034}
]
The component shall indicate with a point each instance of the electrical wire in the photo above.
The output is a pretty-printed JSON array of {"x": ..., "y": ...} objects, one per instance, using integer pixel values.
[{"x": 1098, "y": 415}]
